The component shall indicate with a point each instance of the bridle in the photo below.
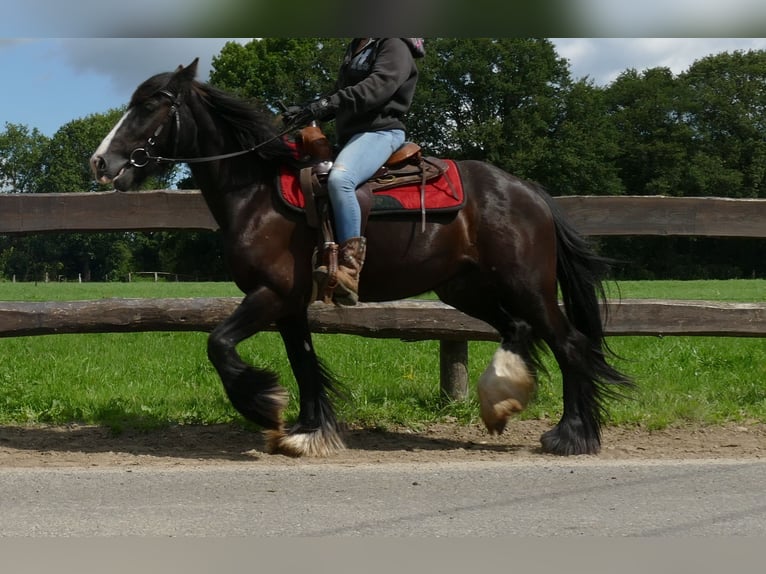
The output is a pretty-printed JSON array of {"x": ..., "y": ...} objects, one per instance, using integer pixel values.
[{"x": 141, "y": 156}]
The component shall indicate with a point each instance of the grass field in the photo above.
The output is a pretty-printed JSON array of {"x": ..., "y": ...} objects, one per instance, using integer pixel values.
[{"x": 148, "y": 380}]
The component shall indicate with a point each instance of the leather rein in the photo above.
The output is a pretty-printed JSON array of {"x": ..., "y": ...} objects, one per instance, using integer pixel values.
[{"x": 141, "y": 156}]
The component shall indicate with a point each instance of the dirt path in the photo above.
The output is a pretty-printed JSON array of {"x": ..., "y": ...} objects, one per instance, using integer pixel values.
[{"x": 83, "y": 446}]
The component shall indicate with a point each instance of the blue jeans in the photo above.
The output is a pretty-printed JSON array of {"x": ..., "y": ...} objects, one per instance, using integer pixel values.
[{"x": 357, "y": 162}]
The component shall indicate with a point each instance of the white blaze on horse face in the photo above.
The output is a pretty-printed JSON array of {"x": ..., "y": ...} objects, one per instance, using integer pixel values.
[
  {"x": 103, "y": 148},
  {"x": 505, "y": 387}
]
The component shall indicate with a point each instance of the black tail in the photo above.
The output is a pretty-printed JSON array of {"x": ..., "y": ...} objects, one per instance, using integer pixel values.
[{"x": 581, "y": 273}]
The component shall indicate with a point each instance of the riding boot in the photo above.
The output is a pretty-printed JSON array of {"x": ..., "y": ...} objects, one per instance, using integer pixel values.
[{"x": 350, "y": 262}]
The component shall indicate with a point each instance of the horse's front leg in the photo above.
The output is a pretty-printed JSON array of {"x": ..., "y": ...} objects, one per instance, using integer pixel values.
[
  {"x": 254, "y": 392},
  {"x": 316, "y": 432}
]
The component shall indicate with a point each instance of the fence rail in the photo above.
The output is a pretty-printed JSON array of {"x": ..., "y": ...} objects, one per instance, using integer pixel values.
[
  {"x": 408, "y": 320},
  {"x": 175, "y": 209}
]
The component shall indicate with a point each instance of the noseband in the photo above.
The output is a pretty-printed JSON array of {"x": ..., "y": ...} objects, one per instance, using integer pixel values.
[{"x": 141, "y": 156}]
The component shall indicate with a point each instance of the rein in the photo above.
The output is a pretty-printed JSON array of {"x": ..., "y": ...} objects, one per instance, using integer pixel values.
[{"x": 140, "y": 157}]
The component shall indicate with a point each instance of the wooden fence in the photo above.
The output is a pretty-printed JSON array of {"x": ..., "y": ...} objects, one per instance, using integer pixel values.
[{"x": 408, "y": 320}]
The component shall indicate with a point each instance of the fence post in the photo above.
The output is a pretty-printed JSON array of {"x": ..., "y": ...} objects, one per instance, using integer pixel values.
[{"x": 453, "y": 369}]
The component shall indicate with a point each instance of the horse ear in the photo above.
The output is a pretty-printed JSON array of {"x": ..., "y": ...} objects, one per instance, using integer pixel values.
[
  {"x": 191, "y": 69},
  {"x": 184, "y": 75}
]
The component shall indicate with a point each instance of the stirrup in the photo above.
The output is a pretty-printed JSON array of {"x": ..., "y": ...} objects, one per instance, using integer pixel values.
[
  {"x": 325, "y": 275},
  {"x": 345, "y": 296}
]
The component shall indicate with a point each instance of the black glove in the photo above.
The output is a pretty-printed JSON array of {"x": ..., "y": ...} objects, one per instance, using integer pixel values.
[
  {"x": 301, "y": 116},
  {"x": 295, "y": 116},
  {"x": 320, "y": 109}
]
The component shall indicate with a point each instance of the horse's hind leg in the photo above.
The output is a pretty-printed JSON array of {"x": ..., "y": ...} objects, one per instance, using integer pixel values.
[
  {"x": 582, "y": 365},
  {"x": 316, "y": 431},
  {"x": 509, "y": 382},
  {"x": 254, "y": 392},
  {"x": 524, "y": 317}
]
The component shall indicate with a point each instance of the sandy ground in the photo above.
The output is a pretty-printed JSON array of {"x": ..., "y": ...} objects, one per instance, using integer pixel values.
[{"x": 85, "y": 446}]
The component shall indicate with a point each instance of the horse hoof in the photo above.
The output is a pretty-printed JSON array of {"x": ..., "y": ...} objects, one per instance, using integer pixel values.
[
  {"x": 317, "y": 444},
  {"x": 564, "y": 443},
  {"x": 496, "y": 416}
]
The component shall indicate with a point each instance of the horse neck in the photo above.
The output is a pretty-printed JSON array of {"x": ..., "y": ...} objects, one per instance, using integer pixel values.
[{"x": 223, "y": 183}]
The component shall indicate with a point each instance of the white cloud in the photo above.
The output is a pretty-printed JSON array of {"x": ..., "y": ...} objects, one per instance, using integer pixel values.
[
  {"x": 603, "y": 59},
  {"x": 129, "y": 61}
]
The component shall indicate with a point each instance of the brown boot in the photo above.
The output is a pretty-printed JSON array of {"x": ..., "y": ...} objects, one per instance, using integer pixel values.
[{"x": 350, "y": 262}]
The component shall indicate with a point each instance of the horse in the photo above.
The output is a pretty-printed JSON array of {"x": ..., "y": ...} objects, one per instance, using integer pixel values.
[{"x": 502, "y": 258}]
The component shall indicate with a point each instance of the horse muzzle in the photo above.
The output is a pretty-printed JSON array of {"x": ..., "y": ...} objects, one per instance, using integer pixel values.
[{"x": 106, "y": 172}]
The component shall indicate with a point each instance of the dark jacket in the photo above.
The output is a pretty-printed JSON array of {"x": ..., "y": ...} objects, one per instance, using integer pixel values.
[{"x": 375, "y": 88}]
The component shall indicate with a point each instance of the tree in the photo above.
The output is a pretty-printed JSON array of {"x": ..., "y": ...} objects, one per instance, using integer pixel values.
[
  {"x": 727, "y": 116},
  {"x": 21, "y": 153},
  {"x": 495, "y": 99},
  {"x": 273, "y": 70},
  {"x": 66, "y": 161},
  {"x": 647, "y": 110},
  {"x": 581, "y": 156}
]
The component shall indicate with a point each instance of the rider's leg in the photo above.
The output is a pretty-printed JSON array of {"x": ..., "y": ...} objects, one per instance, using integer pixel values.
[{"x": 358, "y": 161}]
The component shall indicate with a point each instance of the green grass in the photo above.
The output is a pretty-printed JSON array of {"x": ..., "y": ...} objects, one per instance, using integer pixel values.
[
  {"x": 708, "y": 290},
  {"x": 150, "y": 380},
  {"x": 137, "y": 289}
]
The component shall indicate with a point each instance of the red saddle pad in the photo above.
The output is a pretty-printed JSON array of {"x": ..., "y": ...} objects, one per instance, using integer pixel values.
[{"x": 440, "y": 196}]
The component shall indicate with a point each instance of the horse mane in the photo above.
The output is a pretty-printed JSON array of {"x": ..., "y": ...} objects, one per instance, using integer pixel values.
[{"x": 250, "y": 124}]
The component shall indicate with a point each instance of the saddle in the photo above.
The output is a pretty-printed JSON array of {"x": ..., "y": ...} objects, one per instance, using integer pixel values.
[{"x": 405, "y": 167}]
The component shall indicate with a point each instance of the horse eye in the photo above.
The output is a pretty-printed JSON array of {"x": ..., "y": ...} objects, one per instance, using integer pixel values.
[{"x": 150, "y": 105}]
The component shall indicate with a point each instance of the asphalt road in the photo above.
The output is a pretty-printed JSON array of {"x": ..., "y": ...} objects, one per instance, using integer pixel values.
[{"x": 560, "y": 498}]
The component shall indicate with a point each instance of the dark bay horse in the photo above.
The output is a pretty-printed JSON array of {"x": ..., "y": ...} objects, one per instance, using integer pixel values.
[{"x": 501, "y": 258}]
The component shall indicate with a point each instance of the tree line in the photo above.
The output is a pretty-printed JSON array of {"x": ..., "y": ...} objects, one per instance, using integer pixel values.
[{"x": 510, "y": 101}]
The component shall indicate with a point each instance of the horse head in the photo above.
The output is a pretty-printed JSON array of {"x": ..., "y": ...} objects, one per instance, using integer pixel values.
[{"x": 150, "y": 129}]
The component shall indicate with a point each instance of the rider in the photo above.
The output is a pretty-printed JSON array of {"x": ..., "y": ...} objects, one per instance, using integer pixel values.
[{"x": 374, "y": 90}]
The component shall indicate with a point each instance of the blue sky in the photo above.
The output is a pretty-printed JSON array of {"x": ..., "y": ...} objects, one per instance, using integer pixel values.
[{"x": 48, "y": 82}]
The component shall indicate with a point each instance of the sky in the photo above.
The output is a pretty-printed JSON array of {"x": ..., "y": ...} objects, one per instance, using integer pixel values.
[{"x": 48, "y": 82}]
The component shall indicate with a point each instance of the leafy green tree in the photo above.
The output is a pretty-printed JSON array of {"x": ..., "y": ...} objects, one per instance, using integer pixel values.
[
  {"x": 197, "y": 255},
  {"x": 727, "y": 116},
  {"x": 21, "y": 153},
  {"x": 66, "y": 161},
  {"x": 495, "y": 99},
  {"x": 647, "y": 110},
  {"x": 581, "y": 156},
  {"x": 273, "y": 70},
  {"x": 500, "y": 100},
  {"x": 698, "y": 134}
]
